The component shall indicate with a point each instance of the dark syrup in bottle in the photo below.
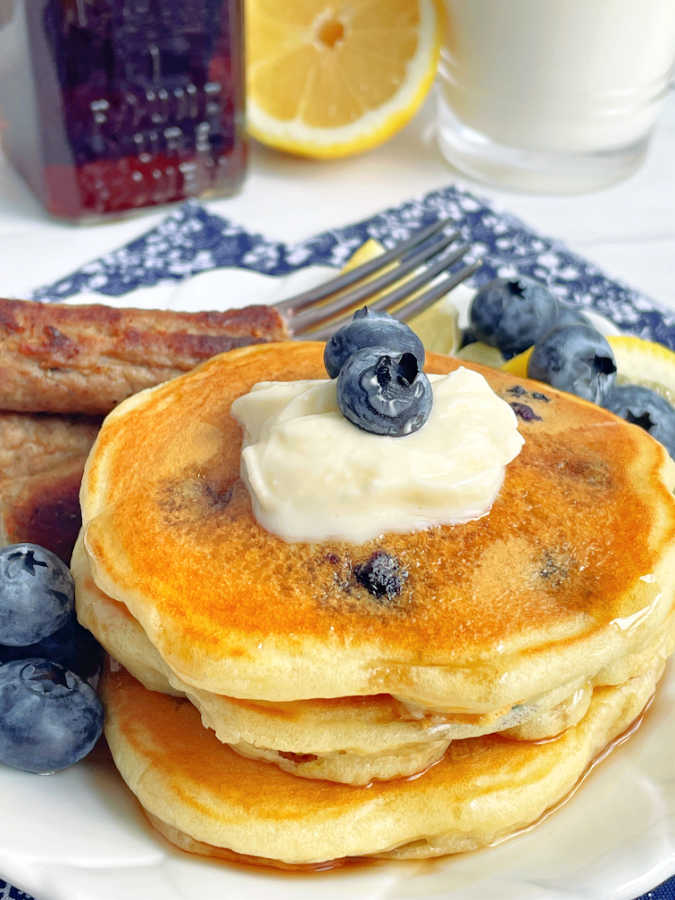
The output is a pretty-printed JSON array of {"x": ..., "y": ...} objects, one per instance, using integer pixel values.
[{"x": 114, "y": 105}]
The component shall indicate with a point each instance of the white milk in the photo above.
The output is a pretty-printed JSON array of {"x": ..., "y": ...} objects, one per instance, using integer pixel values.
[{"x": 558, "y": 76}]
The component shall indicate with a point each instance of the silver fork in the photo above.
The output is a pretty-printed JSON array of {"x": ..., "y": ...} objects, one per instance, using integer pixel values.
[{"x": 430, "y": 250}]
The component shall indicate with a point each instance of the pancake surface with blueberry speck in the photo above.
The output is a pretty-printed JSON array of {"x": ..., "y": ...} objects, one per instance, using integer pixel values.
[
  {"x": 352, "y": 740},
  {"x": 571, "y": 570}
]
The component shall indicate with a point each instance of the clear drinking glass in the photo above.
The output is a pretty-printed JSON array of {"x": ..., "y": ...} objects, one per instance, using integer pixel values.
[{"x": 553, "y": 95}]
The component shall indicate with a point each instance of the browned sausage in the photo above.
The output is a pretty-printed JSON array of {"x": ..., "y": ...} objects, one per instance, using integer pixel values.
[
  {"x": 86, "y": 359},
  {"x": 43, "y": 508},
  {"x": 34, "y": 443},
  {"x": 41, "y": 462}
]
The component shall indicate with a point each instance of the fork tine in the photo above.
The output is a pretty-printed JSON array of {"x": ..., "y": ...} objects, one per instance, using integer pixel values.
[
  {"x": 416, "y": 306},
  {"x": 294, "y": 304},
  {"x": 428, "y": 273},
  {"x": 435, "y": 292},
  {"x": 316, "y": 314}
]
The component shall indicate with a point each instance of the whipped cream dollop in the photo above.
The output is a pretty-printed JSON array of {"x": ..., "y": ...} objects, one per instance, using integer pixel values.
[{"x": 313, "y": 476}]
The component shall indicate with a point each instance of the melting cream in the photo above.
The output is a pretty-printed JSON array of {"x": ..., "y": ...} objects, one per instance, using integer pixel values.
[{"x": 313, "y": 476}]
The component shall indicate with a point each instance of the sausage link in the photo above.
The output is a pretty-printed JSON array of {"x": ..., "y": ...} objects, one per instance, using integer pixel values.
[{"x": 86, "y": 359}]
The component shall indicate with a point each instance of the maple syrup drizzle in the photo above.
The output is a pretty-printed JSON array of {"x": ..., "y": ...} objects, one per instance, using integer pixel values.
[
  {"x": 597, "y": 759},
  {"x": 264, "y": 866}
]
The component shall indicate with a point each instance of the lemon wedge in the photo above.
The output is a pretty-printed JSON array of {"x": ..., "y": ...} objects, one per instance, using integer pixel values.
[
  {"x": 517, "y": 365},
  {"x": 438, "y": 326},
  {"x": 639, "y": 361},
  {"x": 327, "y": 79},
  {"x": 364, "y": 254}
]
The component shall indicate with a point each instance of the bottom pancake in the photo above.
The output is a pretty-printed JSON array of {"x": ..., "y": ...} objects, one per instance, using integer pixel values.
[{"x": 209, "y": 798}]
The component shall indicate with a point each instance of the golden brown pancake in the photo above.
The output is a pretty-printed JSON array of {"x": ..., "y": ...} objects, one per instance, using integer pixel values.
[
  {"x": 207, "y": 798},
  {"x": 573, "y": 567},
  {"x": 353, "y": 740}
]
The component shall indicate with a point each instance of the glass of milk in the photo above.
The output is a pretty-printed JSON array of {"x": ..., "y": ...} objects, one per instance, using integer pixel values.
[{"x": 553, "y": 95}]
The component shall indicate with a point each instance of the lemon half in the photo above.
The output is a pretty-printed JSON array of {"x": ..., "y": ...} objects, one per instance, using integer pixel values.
[{"x": 327, "y": 79}]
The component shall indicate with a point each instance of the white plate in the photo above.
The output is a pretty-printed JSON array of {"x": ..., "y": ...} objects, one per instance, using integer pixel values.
[{"x": 80, "y": 835}]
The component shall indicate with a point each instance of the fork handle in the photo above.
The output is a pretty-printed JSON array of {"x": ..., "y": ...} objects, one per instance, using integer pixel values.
[{"x": 86, "y": 359}]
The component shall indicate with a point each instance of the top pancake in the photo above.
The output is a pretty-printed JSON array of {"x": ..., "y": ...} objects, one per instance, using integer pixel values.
[{"x": 572, "y": 568}]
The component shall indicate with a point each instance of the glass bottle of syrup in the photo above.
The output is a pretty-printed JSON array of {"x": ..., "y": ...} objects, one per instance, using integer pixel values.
[{"x": 114, "y": 105}]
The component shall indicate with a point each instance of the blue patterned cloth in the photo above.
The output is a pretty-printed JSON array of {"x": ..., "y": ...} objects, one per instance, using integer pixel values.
[
  {"x": 192, "y": 240},
  {"x": 7, "y": 892}
]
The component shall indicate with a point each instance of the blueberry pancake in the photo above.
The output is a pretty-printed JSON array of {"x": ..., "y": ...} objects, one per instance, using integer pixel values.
[
  {"x": 353, "y": 740},
  {"x": 211, "y": 801},
  {"x": 571, "y": 572}
]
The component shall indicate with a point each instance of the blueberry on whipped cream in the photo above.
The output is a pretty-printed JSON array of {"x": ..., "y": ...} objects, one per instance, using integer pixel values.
[
  {"x": 378, "y": 363},
  {"x": 370, "y": 329},
  {"x": 313, "y": 476},
  {"x": 384, "y": 392}
]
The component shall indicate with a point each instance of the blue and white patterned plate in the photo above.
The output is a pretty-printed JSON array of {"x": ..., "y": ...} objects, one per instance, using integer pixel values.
[{"x": 79, "y": 835}]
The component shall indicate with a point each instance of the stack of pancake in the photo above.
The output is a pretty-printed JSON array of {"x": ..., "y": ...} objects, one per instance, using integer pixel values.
[{"x": 262, "y": 699}]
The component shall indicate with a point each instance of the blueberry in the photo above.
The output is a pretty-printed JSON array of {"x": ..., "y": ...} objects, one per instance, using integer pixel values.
[
  {"x": 525, "y": 412},
  {"x": 49, "y": 718},
  {"x": 381, "y": 575},
  {"x": 384, "y": 392},
  {"x": 644, "y": 407},
  {"x": 36, "y": 594},
  {"x": 577, "y": 359},
  {"x": 513, "y": 313},
  {"x": 370, "y": 329},
  {"x": 72, "y": 646}
]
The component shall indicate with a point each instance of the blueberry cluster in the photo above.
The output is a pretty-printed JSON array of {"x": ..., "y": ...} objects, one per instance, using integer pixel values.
[
  {"x": 50, "y": 717},
  {"x": 378, "y": 362},
  {"x": 514, "y": 314}
]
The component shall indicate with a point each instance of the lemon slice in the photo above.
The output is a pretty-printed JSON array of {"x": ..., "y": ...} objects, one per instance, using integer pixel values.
[
  {"x": 517, "y": 365},
  {"x": 365, "y": 253},
  {"x": 644, "y": 362},
  {"x": 438, "y": 326},
  {"x": 326, "y": 79}
]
